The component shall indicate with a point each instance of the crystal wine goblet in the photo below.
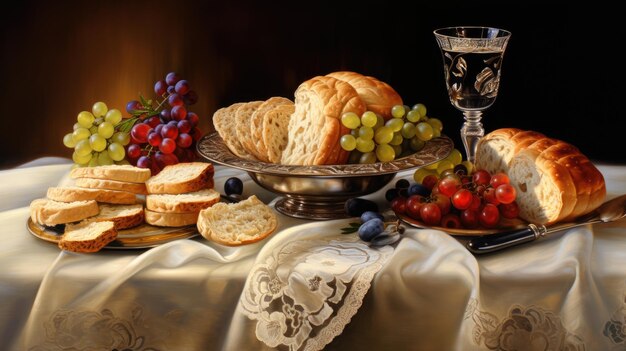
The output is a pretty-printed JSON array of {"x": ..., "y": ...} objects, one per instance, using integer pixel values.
[{"x": 472, "y": 59}]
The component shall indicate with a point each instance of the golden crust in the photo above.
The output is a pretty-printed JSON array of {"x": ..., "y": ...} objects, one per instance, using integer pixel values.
[{"x": 379, "y": 97}]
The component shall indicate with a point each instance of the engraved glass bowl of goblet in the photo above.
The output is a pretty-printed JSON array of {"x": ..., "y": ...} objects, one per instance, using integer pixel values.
[{"x": 472, "y": 61}]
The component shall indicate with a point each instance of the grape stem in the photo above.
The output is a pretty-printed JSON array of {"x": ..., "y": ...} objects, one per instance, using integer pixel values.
[{"x": 162, "y": 102}]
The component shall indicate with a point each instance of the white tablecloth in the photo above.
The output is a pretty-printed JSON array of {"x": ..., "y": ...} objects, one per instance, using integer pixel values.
[{"x": 566, "y": 292}]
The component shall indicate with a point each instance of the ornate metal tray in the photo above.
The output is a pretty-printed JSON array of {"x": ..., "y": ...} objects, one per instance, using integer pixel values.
[
  {"x": 319, "y": 192},
  {"x": 141, "y": 237}
]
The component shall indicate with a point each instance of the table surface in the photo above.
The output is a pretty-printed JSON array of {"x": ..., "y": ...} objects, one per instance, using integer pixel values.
[{"x": 564, "y": 292}]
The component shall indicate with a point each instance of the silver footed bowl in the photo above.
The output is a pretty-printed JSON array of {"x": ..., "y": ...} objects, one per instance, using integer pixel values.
[{"x": 320, "y": 192}]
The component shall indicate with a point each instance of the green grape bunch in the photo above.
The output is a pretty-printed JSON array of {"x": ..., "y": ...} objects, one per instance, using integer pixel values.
[
  {"x": 372, "y": 139},
  {"x": 97, "y": 139}
]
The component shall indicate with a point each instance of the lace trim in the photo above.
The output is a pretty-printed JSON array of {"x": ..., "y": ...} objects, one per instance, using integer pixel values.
[
  {"x": 304, "y": 293},
  {"x": 524, "y": 328},
  {"x": 615, "y": 328},
  {"x": 84, "y": 330}
]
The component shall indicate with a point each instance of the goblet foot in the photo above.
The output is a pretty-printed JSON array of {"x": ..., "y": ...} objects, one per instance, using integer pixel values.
[{"x": 471, "y": 132}]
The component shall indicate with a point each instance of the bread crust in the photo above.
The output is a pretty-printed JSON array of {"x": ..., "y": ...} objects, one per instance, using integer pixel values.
[
  {"x": 378, "y": 96},
  {"x": 162, "y": 219},
  {"x": 123, "y": 173}
]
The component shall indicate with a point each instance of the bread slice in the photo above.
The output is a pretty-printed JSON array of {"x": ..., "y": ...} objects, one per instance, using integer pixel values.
[
  {"x": 88, "y": 236},
  {"x": 163, "y": 219},
  {"x": 74, "y": 193},
  {"x": 224, "y": 121},
  {"x": 181, "y": 203},
  {"x": 243, "y": 118},
  {"x": 315, "y": 127},
  {"x": 92, "y": 183},
  {"x": 124, "y": 216},
  {"x": 123, "y": 173},
  {"x": 50, "y": 212},
  {"x": 275, "y": 131},
  {"x": 256, "y": 125},
  {"x": 240, "y": 223},
  {"x": 378, "y": 96},
  {"x": 181, "y": 178}
]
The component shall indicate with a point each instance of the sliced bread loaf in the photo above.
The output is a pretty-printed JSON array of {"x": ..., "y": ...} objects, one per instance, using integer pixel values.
[
  {"x": 88, "y": 236},
  {"x": 225, "y": 124},
  {"x": 240, "y": 223},
  {"x": 181, "y": 203},
  {"x": 256, "y": 125},
  {"x": 181, "y": 178},
  {"x": 50, "y": 212},
  {"x": 275, "y": 130},
  {"x": 74, "y": 193},
  {"x": 124, "y": 216},
  {"x": 553, "y": 179},
  {"x": 92, "y": 183},
  {"x": 123, "y": 173},
  {"x": 163, "y": 219}
]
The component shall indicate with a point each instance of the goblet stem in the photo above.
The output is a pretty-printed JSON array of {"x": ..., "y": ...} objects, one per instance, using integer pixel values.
[{"x": 471, "y": 132}]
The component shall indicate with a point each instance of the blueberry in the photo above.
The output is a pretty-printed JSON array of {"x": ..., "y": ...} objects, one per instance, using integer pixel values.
[
  {"x": 391, "y": 194},
  {"x": 233, "y": 185},
  {"x": 368, "y": 215},
  {"x": 418, "y": 189},
  {"x": 356, "y": 206},
  {"x": 370, "y": 229},
  {"x": 402, "y": 184},
  {"x": 460, "y": 170}
]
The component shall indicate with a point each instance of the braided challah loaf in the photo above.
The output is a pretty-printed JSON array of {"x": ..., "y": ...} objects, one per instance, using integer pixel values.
[{"x": 554, "y": 181}]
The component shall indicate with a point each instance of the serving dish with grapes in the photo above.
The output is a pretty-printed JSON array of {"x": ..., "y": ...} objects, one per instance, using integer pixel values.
[{"x": 320, "y": 192}]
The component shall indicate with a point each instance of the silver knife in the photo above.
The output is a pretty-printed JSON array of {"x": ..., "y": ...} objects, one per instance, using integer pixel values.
[{"x": 608, "y": 212}]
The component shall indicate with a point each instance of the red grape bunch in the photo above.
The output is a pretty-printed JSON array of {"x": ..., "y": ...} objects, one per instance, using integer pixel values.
[
  {"x": 457, "y": 199},
  {"x": 166, "y": 134}
]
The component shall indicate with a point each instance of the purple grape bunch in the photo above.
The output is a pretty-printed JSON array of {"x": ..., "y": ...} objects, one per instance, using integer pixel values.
[{"x": 165, "y": 131}]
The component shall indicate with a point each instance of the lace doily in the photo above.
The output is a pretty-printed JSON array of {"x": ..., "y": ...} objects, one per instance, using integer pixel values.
[{"x": 305, "y": 292}]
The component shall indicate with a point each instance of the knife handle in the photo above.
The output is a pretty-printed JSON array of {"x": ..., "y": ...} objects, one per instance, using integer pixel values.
[{"x": 495, "y": 242}]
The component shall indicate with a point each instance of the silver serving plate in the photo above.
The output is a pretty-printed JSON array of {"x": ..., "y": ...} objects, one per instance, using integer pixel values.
[{"x": 320, "y": 192}]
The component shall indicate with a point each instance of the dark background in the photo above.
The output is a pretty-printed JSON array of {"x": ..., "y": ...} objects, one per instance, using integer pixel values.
[{"x": 562, "y": 73}]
